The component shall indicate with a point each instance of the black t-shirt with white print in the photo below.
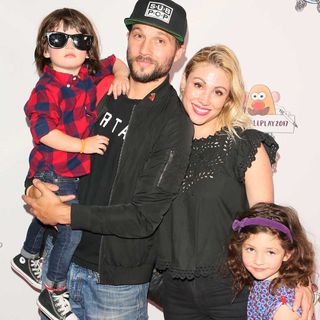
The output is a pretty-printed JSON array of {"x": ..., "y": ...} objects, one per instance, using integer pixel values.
[{"x": 95, "y": 188}]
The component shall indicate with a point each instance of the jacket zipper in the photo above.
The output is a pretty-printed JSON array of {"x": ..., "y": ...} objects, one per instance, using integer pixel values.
[
  {"x": 111, "y": 192},
  {"x": 165, "y": 167}
]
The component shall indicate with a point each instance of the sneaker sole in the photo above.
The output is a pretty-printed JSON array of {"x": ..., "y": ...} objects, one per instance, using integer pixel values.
[
  {"x": 49, "y": 314},
  {"x": 45, "y": 311},
  {"x": 30, "y": 281}
]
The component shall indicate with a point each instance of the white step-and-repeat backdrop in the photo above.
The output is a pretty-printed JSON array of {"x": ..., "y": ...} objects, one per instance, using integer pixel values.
[{"x": 278, "y": 48}]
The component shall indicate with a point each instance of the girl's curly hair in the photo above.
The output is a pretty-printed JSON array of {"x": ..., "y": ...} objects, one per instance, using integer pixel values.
[{"x": 297, "y": 270}]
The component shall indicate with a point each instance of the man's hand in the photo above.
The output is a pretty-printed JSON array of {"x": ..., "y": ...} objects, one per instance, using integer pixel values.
[
  {"x": 33, "y": 192},
  {"x": 48, "y": 207},
  {"x": 304, "y": 299}
]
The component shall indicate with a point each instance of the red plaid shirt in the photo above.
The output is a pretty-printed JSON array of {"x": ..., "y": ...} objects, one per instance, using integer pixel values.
[{"x": 67, "y": 103}]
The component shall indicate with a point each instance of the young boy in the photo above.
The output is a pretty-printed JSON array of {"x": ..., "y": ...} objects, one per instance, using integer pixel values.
[{"x": 61, "y": 112}]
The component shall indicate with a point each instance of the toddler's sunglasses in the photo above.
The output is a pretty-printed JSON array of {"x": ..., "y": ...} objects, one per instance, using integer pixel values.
[{"x": 58, "y": 40}]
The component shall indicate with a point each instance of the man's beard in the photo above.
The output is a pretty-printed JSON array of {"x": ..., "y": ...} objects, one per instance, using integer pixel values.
[{"x": 157, "y": 73}]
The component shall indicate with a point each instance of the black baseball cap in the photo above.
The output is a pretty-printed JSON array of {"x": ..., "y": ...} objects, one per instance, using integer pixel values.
[{"x": 163, "y": 14}]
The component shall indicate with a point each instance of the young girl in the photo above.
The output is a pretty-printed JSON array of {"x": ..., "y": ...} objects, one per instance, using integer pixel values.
[
  {"x": 270, "y": 253},
  {"x": 61, "y": 112}
]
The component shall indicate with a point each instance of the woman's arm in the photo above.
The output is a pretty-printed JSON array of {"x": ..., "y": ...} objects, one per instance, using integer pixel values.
[
  {"x": 304, "y": 299},
  {"x": 258, "y": 179}
]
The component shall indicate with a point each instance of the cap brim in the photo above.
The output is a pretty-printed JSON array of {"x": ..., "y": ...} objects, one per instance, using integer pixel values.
[{"x": 129, "y": 22}]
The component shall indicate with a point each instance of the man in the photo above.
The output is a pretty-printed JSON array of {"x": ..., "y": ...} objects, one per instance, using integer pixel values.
[{"x": 130, "y": 187}]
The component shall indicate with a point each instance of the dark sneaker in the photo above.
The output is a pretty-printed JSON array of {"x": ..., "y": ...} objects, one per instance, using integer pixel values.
[
  {"x": 29, "y": 269},
  {"x": 55, "y": 305}
]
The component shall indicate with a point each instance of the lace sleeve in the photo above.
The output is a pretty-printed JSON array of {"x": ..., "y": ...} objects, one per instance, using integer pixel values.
[{"x": 248, "y": 144}]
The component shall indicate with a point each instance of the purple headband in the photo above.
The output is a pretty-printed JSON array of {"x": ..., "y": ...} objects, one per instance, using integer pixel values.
[{"x": 239, "y": 224}]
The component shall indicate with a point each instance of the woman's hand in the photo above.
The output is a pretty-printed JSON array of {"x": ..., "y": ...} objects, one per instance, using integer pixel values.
[{"x": 304, "y": 299}]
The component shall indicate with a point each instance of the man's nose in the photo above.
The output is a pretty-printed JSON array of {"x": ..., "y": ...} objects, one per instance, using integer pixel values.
[{"x": 145, "y": 47}]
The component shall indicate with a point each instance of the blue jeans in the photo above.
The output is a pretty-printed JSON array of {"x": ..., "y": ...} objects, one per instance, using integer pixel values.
[
  {"x": 93, "y": 301},
  {"x": 66, "y": 240}
]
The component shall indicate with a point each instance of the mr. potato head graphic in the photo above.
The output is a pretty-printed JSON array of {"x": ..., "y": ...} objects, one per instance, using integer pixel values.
[{"x": 261, "y": 101}]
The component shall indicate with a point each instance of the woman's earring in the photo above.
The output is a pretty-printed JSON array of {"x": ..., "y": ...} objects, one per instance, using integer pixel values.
[{"x": 181, "y": 92}]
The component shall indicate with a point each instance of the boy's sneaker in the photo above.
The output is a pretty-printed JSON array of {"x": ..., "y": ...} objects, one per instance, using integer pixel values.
[
  {"x": 29, "y": 269},
  {"x": 55, "y": 305}
]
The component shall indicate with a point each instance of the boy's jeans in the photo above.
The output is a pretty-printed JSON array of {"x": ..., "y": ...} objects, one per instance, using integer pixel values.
[{"x": 66, "y": 239}]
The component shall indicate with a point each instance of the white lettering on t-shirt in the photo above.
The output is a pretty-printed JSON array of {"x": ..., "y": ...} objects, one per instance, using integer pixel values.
[
  {"x": 117, "y": 121},
  {"x": 106, "y": 118},
  {"x": 109, "y": 120},
  {"x": 123, "y": 132}
]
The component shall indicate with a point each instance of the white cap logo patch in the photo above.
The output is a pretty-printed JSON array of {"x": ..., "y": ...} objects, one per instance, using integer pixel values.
[{"x": 159, "y": 11}]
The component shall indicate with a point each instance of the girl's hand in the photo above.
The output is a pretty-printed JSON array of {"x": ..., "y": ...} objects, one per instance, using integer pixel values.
[
  {"x": 119, "y": 85},
  {"x": 304, "y": 299},
  {"x": 96, "y": 144}
]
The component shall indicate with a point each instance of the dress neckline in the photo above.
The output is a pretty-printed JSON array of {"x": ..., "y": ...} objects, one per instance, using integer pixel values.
[{"x": 210, "y": 136}]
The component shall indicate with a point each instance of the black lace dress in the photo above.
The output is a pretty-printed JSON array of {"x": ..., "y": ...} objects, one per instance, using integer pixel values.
[{"x": 195, "y": 232}]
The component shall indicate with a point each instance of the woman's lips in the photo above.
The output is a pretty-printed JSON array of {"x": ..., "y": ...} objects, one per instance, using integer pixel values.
[{"x": 200, "y": 110}]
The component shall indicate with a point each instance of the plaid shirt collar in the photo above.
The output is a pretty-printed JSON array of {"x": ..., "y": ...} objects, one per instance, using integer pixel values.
[{"x": 65, "y": 78}]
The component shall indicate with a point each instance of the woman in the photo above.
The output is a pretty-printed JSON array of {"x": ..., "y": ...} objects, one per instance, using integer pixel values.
[{"x": 229, "y": 171}]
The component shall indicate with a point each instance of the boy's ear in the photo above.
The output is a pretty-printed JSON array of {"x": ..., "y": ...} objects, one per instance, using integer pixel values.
[{"x": 46, "y": 53}]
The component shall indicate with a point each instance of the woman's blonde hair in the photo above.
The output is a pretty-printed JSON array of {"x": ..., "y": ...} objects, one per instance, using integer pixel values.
[{"x": 232, "y": 114}]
